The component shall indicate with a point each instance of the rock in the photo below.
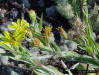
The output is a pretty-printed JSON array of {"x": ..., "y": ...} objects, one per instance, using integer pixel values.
[
  {"x": 2, "y": 13},
  {"x": 65, "y": 9},
  {"x": 26, "y": 3},
  {"x": 5, "y": 26},
  {"x": 3, "y": 59},
  {"x": 14, "y": 73},
  {"x": 41, "y": 3},
  {"x": 51, "y": 11},
  {"x": 20, "y": 65},
  {"x": 13, "y": 14},
  {"x": 11, "y": 70}
]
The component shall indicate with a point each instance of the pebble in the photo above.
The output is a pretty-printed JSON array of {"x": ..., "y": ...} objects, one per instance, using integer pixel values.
[
  {"x": 14, "y": 73},
  {"x": 51, "y": 11},
  {"x": 3, "y": 59}
]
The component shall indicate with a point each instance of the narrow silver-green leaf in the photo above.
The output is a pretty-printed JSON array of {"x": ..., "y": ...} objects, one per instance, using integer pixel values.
[{"x": 41, "y": 23}]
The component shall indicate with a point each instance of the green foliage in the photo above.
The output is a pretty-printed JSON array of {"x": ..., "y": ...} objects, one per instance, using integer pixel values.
[
  {"x": 95, "y": 18},
  {"x": 90, "y": 44},
  {"x": 49, "y": 70},
  {"x": 85, "y": 59},
  {"x": 21, "y": 30},
  {"x": 32, "y": 15},
  {"x": 86, "y": 41},
  {"x": 74, "y": 4},
  {"x": 41, "y": 23},
  {"x": 45, "y": 41}
]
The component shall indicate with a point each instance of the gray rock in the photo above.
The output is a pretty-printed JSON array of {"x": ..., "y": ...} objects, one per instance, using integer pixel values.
[
  {"x": 5, "y": 26},
  {"x": 65, "y": 9},
  {"x": 51, "y": 10},
  {"x": 3, "y": 59},
  {"x": 14, "y": 73},
  {"x": 14, "y": 14},
  {"x": 41, "y": 3},
  {"x": 26, "y": 3},
  {"x": 2, "y": 13},
  {"x": 10, "y": 70},
  {"x": 20, "y": 65}
]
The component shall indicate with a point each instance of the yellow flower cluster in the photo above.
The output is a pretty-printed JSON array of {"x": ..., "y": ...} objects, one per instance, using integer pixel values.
[
  {"x": 20, "y": 26},
  {"x": 62, "y": 31},
  {"x": 36, "y": 42},
  {"x": 47, "y": 31},
  {"x": 19, "y": 30}
]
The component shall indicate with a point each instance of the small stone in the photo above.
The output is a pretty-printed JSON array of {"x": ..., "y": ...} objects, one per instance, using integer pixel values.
[
  {"x": 51, "y": 10},
  {"x": 5, "y": 26},
  {"x": 26, "y": 3},
  {"x": 20, "y": 65},
  {"x": 41, "y": 3},
  {"x": 3, "y": 59},
  {"x": 14, "y": 73},
  {"x": 2, "y": 13}
]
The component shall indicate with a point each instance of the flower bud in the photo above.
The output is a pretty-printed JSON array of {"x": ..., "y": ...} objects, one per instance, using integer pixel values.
[
  {"x": 32, "y": 15},
  {"x": 62, "y": 31}
]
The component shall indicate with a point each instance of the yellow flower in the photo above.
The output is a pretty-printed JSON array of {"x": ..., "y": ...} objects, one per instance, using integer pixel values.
[
  {"x": 20, "y": 26},
  {"x": 62, "y": 31},
  {"x": 8, "y": 39},
  {"x": 47, "y": 31},
  {"x": 19, "y": 30},
  {"x": 36, "y": 42}
]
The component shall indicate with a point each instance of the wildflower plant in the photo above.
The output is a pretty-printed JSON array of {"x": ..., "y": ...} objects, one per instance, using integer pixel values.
[
  {"x": 22, "y": 30},
  {"x": 84, "y": 33},
  {"x": 43, "y": 38}
]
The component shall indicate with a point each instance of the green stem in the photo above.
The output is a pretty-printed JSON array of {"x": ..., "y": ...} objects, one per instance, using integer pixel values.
[{"x": 56, "y": 47}]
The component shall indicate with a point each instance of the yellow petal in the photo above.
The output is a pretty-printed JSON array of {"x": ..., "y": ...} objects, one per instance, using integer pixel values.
[
  {"x": 18, "y": 22},
  {"x": 22, "y": 22},
  {"x": 13, "y": 23}
]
